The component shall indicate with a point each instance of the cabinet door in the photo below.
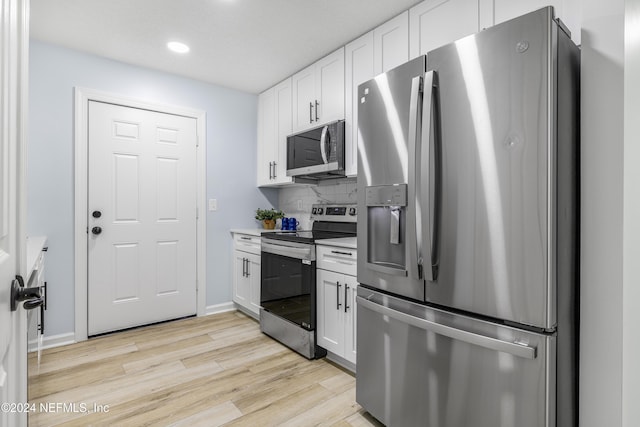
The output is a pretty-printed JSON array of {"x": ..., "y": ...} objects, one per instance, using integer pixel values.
[
  {"x": 350, "y": 334},
  {"x": 303, "y": 89},
  {"x": 283, "y": 117},
  {"x": 241, "y": 292},
  {"x": 509, "y": 9},
  {"x": 391, "y": 43},
  {"x": 496, "y": 11},
  {"x": 330, "y": 88},
  {"x": 330, "y": 292},
  {"x": 434, "y": 23},
  {"x": 358, "y": 69},
  {"x": 266, "y": 137},
  {"x": 254, "y": 282}
]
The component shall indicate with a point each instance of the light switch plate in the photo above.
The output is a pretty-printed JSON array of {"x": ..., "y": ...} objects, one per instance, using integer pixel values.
[{"x": 213, "y": 204}]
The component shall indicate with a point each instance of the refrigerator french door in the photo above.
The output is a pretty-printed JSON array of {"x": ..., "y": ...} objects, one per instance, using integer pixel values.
[{"x": 467, "y": 193}]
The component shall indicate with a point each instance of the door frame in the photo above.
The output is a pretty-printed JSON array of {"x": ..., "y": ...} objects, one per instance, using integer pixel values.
[{"x": 81, "y": 181}]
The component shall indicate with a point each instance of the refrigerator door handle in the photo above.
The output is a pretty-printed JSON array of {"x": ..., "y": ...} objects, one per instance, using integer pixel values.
[
  {"x": 513, "y": 348},
  {"x": 426, "y": 230},
  {"x": 413, "y": 242}
]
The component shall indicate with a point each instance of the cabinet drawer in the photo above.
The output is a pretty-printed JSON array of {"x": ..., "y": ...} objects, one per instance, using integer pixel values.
[
  {"x": 338, "y": 259},
  {"x": 247, "y": 243}
]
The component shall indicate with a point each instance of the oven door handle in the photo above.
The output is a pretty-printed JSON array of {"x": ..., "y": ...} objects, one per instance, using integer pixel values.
[{"x": 303, "y": 253}]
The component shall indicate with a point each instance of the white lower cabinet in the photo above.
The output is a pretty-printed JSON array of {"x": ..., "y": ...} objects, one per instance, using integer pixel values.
[
  {"x": 337, "y": 313},
  {"x": 246, "y": 274},
  {"x": 336, "y": 299}
]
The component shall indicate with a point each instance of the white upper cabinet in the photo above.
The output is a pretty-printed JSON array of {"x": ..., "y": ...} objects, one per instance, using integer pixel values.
[
  {"x": 304, "y": 98},
  {"x": 266, "y": 135},
  {"x": 358, "y": 69},
  {"x": 274, "y": 125},
  {"x": 434, "y": 23},
  {"x": 391, "y": 44},
  {"x": 283, "y": 128},
  {"x": 496, "y": 11},
  {"x": 376, "y": 52},
  {"x": 318, "y": 92}
]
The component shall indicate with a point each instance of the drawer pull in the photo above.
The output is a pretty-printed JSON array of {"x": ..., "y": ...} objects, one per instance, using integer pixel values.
[
  {"x": 245, "y": 238},
  {"x": 342, "y": 253}
]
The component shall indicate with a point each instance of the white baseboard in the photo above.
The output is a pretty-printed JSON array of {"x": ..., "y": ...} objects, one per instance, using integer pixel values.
[
  {"x": 220, "y": 308},
  {"x": 69, "y": 337},
  {"x": 349, "y": 366},
  {"x": 58, "y": 340}
]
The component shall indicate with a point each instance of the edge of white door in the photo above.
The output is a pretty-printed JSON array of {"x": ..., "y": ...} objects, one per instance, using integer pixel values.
[
  {"x": 82, "y": 98},
  {"x": 14, "y": 98}
]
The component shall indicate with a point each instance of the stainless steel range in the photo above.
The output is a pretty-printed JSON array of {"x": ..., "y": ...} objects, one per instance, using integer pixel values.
[{"x": 288, "y": 279}]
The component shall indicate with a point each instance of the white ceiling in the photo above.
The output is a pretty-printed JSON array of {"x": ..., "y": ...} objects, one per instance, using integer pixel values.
[{"x": 248, "y": 45}]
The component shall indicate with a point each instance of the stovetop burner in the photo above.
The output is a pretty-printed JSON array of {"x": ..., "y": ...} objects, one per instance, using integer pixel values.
[
  {"x": 329, "y": 222},
  {"x": 310, "y": 236}
]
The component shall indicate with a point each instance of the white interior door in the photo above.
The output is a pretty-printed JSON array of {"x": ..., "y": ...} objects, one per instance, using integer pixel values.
[
  {"x": 13, "y": 115},
  {"x": 142, "y": 217}
]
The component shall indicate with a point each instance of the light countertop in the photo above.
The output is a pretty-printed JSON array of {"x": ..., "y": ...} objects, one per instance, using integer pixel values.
[
  {"x": 253, "y": 231},
  {"x": 342, "y": 242}
]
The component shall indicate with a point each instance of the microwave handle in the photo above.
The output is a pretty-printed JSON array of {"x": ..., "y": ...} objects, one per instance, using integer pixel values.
[{"x": 323, "y": 145}]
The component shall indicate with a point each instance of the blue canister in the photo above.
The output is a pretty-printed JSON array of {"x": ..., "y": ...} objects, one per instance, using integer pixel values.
[
  {"x": 292, "y": 224},
  {"x": 285, "y": 223}
]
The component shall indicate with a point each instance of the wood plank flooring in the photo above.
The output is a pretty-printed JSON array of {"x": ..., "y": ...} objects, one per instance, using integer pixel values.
[{"x": 208, "y": 371}]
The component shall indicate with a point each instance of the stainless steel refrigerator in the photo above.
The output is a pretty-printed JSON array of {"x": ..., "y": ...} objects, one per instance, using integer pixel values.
[{"x": 467, "y": 232}]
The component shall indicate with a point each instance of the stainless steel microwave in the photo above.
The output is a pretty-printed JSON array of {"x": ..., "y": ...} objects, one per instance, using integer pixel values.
[{"x": 317, "y": 153}]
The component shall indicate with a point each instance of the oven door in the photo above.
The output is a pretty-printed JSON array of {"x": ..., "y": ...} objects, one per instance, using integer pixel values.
[{"x": 288, "y": 282}]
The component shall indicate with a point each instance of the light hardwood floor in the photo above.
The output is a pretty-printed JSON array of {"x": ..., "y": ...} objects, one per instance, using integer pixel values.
[{"x": 208, "y": 371}]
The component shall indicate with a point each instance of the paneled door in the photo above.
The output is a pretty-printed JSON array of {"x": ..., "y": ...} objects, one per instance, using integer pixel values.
[
  {"x": 14, "y": 41},
  {"x": 141, "y": 217}
]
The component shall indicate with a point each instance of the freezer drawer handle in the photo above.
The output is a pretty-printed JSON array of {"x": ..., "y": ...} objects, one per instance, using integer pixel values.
[{"x": 515, "y": 349}]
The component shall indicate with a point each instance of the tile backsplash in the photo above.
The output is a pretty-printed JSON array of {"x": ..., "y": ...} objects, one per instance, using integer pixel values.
[{"x": 296, "y": 200}]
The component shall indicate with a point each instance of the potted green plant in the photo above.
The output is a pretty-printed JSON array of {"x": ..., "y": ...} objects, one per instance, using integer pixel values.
[{"x": 268, "y": 217}]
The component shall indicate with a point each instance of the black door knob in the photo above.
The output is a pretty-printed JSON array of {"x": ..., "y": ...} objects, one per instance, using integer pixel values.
[
  {"x": 96, "y": 230},
  {"x": 96, "y": 214}
]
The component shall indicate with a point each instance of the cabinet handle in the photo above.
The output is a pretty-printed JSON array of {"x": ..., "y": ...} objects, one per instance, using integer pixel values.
[
  {"x": 341, "y": 253},
  {"x": 248, "y": 267},
  {"x": 346, "y": 289},
  {"x": 245, "y": 238},
  {"x": 275, "y": 174},
  {"x": 317, "y": 110},
  {"x": 270, "y": 170},
  {"x": 244, "y": 267},
  {"x": 338, "y": 296},
  {"x": 310, "y": 112}
]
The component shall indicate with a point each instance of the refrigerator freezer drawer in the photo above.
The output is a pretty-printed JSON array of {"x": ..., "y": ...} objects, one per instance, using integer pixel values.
[{"x": 423, "y": 366}]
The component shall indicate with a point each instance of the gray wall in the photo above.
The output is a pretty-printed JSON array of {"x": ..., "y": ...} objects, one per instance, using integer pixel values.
[{"x": 231, "y": 160}]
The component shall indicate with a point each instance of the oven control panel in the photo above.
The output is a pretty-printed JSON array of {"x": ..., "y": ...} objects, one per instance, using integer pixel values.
[{"x": 337, "y": 213}]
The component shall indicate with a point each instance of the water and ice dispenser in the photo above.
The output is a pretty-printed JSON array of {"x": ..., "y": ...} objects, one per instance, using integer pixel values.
[{"x": 386, "y": 224}]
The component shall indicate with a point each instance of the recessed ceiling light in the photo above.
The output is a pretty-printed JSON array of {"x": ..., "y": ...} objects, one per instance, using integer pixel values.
[{"x": 178, "y": 47}]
